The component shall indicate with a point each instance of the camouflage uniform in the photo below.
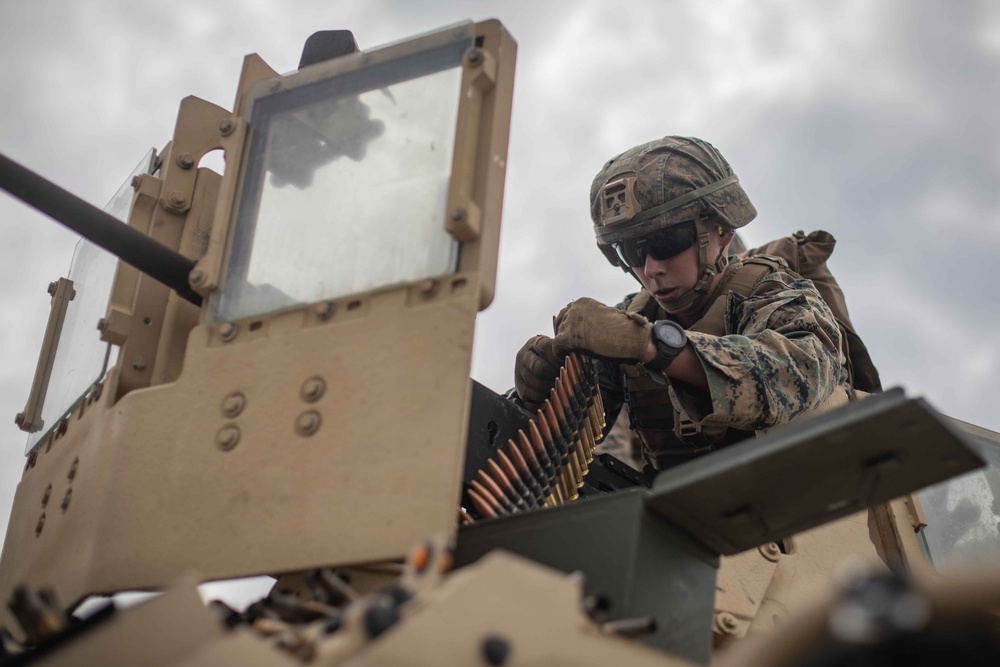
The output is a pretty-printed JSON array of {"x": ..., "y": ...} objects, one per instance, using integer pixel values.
[
  {"x": 780, "y": 358},
  {"x": 778, "y": 353}
]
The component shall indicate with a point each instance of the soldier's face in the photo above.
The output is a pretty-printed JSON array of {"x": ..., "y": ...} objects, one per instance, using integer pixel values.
[{"x": 669, "y": 279}]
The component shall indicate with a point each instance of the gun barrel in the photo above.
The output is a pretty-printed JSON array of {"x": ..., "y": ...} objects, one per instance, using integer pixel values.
[{"x": 133, "y": 247}]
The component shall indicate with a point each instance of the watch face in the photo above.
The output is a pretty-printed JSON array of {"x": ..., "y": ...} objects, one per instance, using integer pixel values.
[{"x": 671, "y": 334}]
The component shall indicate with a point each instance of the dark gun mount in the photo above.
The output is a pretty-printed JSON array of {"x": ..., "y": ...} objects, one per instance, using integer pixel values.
[
  {"x": 131, "y": 246},
  {"x": 654, "y": 553}
]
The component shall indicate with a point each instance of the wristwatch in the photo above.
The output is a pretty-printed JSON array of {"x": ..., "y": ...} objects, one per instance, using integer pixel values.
[{"x": 669, "y": 338}]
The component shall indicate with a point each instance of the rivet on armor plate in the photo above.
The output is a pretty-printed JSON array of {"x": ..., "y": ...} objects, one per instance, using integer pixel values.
[
  {"x": 233, "y": 404},
  {"x": 227, "y": 437},
  {"x": 770, "y": 551},
  {"x": 308, "y": 423},
  {"x": 313, "y": 389},
  {"x": 228, "y": 331},
  {"x": 325, "y": 310}
]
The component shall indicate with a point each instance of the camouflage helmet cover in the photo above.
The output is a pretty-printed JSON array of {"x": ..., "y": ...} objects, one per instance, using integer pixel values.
[{"x": 663, "y": 183}]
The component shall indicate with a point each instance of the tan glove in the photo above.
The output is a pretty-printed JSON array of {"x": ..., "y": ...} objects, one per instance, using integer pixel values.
[
  {"x": 535, "y": 369},
  {"x": 590, "y": 327}
]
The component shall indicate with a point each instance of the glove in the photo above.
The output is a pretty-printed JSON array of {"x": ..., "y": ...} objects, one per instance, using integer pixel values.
[
  {"x": 590, "y": 327},
  {"x": 535, "y": 369}
]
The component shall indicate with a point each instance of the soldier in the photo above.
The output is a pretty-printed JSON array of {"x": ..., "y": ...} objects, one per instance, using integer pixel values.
[{"x": 712, "y": 348}]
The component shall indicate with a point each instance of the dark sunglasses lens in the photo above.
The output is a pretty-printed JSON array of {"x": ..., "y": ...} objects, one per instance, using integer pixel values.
[
  {"x": 629, "y": 253},
  {"x": 666, "y": 243}
]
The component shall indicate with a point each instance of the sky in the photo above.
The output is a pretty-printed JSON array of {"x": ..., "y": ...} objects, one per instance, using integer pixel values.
[{"x": 876, "y": 121}]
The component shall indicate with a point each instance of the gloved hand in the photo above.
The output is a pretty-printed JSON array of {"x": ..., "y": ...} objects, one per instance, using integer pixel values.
[
  {"x": 590, "y": 327},
  {"x": 535, "y": 369}
]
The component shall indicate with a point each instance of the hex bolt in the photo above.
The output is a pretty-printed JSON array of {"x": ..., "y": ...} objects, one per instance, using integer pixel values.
[
  {"x": 233, "y": 404},
  {"x": 40, "y": 525},
  {"x": 19, "y": 419},
  {"x": 102, "y": 325},
  {"x": 428, "y": 287},
  {"x": 227, "y": 437},
  {"x": 185, "y": 160},
  {"x": 64, "y": 505},
  {"x": 139, "y": 362},
  {"x": 495, "y": 649},
  {"x": 308, "y": 423},
  {"x": 46, "y": 496},
  {"x": 313, "y": 389},
  {"x": 325, "y": 310},
  {"x": 136, "y": 182},
  {"x": 176, "y": 199},
  {"x": 71, "y": 475},
  {"x": 770, "y": 551},
  {"x": 197, "y": 277},
  {"x": 474, "y": 57},
  {"x": 226, "y": 127},
  {"x": 51, "y": 289},
  {"x": 727, "y": 623},
  {"x": 228, "y": 331}
]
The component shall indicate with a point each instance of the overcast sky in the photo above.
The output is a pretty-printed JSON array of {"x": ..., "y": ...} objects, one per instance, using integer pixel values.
[{"x": 877, "y": 121}]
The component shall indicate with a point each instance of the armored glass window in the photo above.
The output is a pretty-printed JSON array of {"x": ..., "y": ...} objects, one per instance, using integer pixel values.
[
  {"x": 345, "y": 181},
  {"x": 81, "y": 357}
]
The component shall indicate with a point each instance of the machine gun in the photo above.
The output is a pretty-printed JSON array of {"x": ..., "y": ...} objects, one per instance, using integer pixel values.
[{"x": 258, "y": 406}]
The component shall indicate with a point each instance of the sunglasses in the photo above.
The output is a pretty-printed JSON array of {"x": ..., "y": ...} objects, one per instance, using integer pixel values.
[{"x": 661, "y": 244}]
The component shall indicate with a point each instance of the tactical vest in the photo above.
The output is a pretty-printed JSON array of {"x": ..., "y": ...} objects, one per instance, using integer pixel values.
[{"x": 668, "y": 436}]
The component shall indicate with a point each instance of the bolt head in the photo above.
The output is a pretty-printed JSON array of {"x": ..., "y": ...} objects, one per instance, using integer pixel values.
[
  {"x": 458, "y": 214},
  {"x": 325, "y": 310},
  {"x": 227, "y": 437},
  {"x": 233, "y": 404},
  {"x": 495, "y": 649},
  {"x": 51, "y": 289},
  {"x": 139, "y": 362},
  {"x": 176, "y": 198},
  {"x": 228, "y": 331},
  {"x": 136, "y": 182},
  {"x": 197, "y": 277},
  {"x": 474, "y": 57},
  {"x": 185, "y": 160},
  {"x": 313, "y": 389},
  {"x": 226, "y": 127},
  {"x": 308, "y": 423},
  {"x": 19, "y": 419}
]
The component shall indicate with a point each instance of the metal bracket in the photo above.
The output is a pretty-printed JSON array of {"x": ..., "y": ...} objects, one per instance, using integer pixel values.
[
  {"x": 31, "y": 419},
  {"x": 464, "y": 217}
]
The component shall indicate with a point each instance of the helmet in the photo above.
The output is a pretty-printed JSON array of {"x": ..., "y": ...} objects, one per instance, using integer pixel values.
[{"x": 661, "y": 184}]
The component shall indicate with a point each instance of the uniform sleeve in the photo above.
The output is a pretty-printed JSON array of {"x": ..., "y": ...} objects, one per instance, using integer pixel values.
[{"x": 781, "y": 358}]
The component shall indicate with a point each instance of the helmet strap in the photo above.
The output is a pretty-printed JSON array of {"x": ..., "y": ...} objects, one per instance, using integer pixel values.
[{"x": 706, "y": 271}]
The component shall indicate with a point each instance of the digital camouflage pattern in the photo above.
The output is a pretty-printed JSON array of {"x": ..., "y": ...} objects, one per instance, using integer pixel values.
[{"x": 669, "y": 168}]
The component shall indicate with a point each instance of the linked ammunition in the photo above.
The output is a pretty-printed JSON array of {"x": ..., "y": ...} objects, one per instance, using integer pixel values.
[
  {"x": 494, "y": 491},
  {"x": 546, "y": 449},
  {"x": 558, "y": 451},
  {"x": 565, "y": 440},
  {"x": 576, "y": 369},
  {"x": 484, "y": 508},
  {"x": 533, "y": 465},
  {"x": 524, "y": 470},
  {"x": 521, "y": 482},
  {"x": 506, "y": 486}
]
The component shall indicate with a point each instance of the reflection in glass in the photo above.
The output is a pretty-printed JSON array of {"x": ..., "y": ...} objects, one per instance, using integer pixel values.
[
  {"x": 345, "y": 186},
  {"x": 81, "y": 356},
  {"x": 963, "y": 517}
]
